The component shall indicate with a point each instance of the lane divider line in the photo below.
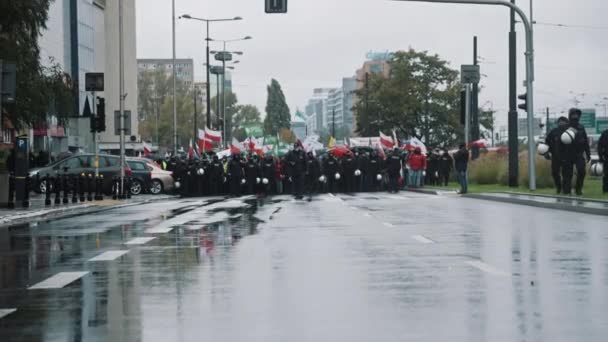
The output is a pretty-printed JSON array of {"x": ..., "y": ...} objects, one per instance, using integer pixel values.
[
  {"x": 6, "y": 312},
  {"x": 58, "y": 281},
  {"x": 487, "y": 268},
  {"x": 139, "y": 240},
  {"x": 390, "y": 225},
  {"x": 109, "y": 256},
  {"x": 422, "y": 239}
]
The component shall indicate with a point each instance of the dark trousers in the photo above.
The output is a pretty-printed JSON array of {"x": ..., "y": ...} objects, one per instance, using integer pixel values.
[
  {"x": 568, "y": 171},
  {"x": 393, "y": 183},
  {"x": 556, "y": 173},
  {"x": 235, "y": 186},
  {"x": 311, "y": 185},
  {"x": 605, "y": 181},
  {"x": 298, "y": 182},
  {"x": 444, "y": 178}
]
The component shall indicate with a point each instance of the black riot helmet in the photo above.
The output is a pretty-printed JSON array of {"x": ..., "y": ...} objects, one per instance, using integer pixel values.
[
  {"x": 563, "y": 122},
  {"x": 574, "y": 115}
]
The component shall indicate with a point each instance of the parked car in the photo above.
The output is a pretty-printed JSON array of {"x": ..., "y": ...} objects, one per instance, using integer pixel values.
[
  {"x": 160, "y": 180},
  {"x": 109, "y": 166},
  {"x": 140, "y": 176}
]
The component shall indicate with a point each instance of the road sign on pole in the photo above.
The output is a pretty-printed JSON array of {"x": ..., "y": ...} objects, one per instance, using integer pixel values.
[
  {"x": 469, "y": 73},
  {"x": 223, "y": 56},
  {"x": 276, "y": 6}
]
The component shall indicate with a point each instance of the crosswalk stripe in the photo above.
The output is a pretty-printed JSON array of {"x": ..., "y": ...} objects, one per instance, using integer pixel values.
[
  {"x": 58, "y": 281},
  {"x": 139, "y": 240},
  {"x": 159, "y": 230},
  {"x": 6, "y": 312},
  {"x": 422, "y": 239},
  {"x": 109, "y": 256},
  {"x": 487, "y": 268}
]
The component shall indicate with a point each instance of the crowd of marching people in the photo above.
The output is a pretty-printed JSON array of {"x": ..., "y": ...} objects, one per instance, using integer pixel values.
[{"x": 304, "y": 173}]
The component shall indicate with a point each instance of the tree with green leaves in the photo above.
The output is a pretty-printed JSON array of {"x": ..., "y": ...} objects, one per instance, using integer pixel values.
[
  {"x": 277, "y": 111},
  {"x": 40, "y": 89},
  {"x": 419, "y": 98}
]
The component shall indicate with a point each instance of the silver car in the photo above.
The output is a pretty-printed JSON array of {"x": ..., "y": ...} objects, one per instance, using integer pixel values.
[{"x": 160, "y": 180}]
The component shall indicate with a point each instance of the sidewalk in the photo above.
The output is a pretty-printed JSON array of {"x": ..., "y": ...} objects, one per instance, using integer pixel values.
[
  {"x": 574, "y": 204},
  {"x": 39, "y": 211}
]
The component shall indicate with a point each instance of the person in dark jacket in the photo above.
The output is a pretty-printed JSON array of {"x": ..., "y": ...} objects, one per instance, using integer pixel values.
[
  {"x": 602, "y": 151},
  {"x": 553, "y": 140},
  {"x": 216, "y": 176},
  {"x": 576, "y": 156},
  {"x": 393, "y": 169},
  {"x": 313, "y": 172},
  {"x": 432, "y": 169},
  {"x": 252, "y": 175},
  {"x": 461, "y": 164},
  {"x": 235, "y": 175},
  {"x": 348, "y": 166},
  {"x": 372, "y": 171},
  {"x": 445, "y": 168},
  {"x": 268, "y": 173},
  {"x": 330, "y": 168},
  {"x": 296, "y": 163}
]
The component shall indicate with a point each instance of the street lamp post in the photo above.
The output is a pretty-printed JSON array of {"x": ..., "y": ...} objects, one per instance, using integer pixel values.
[
  {"x": 529, "y": 73},
  {"x": 224, "y": 55},
  {"x": 207, "y": 39}
]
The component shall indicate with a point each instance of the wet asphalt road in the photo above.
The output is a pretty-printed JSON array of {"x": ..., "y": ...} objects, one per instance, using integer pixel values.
[{"x": 368, "y": 267}]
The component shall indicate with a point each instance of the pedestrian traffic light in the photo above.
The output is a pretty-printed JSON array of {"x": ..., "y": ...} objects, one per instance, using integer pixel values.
[
  {"x": 101, "y": 115},
  {"x": 524, "y": 105}
]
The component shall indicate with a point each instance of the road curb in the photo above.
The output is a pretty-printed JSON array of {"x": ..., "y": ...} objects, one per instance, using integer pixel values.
[
  {"x": 428, "y": 191},
  {"x": 567, "y": 205},
  {"x": 90, "y": 208}
]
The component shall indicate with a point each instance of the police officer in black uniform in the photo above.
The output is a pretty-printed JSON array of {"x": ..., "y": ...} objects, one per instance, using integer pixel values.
[
  {"x": 576, "y": 156},
  {"x": 330, "y": 168},
  {"x": 445, "y": 168},
  {"x": 252, "y": 174},
  {"x": 215, "y": 176},
  {"x": 268, "y": 172},
  {"x": 553, "y": 140},
  {"x": 602, "y": 151},
  {"x": 296, "y": 163},
  {"x": 394, "y": 169},
  {"x": 348, "y": 172},
  {"x": 372, "y": 171},
  {"x": 313, "y": 172},
  {"x": 235, "y": 174}
]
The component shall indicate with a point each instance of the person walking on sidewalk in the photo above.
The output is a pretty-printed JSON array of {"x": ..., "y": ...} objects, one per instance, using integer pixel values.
[
  {"x": 417, "y": 167},
  {"x": 461, "y": 164}
]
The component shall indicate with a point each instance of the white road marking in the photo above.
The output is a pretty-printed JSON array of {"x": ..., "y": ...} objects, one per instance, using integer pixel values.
[
  {"x": 487, "y": 268},
  {"x": 109, "y": 256},
  {"x": 59, "y": 280},
  {"x": 6, "y": 312},
  {"x": 367, "y": 215},
  {"x": 139, "y": 240},
  {"x": 159, "y": 230},
  {"x": 388, "y": 224},
  {"x": 332, "y": 195},
  {"x": 422, "y": 239}
]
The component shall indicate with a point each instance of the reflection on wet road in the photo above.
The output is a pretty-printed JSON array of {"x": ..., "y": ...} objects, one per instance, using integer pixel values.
[{"x": 366, "y": 267}]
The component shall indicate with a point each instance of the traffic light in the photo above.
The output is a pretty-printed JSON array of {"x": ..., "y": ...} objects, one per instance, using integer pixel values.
[
  {"x": 101, "y": 115},
  {"x": 524, "y": 105}
]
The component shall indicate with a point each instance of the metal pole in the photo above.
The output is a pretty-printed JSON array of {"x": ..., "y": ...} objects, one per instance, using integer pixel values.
[
  {"x": 121, "y": 54},
  {"x": 224, "y": 93},
  {"x": 475, "y": 106},
  {"x": 195, "y": 114},
  {"x": 174, "y": 84},
  {"x": 96, "y": 154},
  {"x": 547, "y": 123},
  {"x": 367, "y": 103},
  {"x": 512, "y": 118},
  {"x": 208, "y": 82},
  {"x": 467, "y": 114},
  {"x": 217, "y": 98},
  {"x": 1, "y": 70}
]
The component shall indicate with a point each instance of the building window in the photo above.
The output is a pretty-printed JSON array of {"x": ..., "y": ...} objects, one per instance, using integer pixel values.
[{"x": 7, "y": 136}]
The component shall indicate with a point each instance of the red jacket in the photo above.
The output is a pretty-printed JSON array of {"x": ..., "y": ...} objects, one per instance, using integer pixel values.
[{"x": 417, "y": 162}]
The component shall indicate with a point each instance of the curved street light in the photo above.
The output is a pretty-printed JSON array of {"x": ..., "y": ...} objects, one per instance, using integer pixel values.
[{"x": 207, "y": 39}]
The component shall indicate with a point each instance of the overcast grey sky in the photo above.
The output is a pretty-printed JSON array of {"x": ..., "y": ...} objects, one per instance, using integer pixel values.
[{"x": 320, "y": 41}]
